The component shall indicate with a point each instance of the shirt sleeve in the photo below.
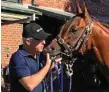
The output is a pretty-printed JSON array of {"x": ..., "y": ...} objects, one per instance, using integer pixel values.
[{"x": 19, "y": 67}]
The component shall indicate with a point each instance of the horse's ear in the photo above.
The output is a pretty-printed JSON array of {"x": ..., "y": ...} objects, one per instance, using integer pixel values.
[
  {"x": 78, "y": 9},
  {"x": 85, "y": 11}
]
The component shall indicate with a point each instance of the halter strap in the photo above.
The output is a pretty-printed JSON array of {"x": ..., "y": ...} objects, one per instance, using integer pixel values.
[
  {"x": 61, "y": 42},
  {"x": 59, "y": 76},
  {"x": 83, "y": 37},
  {"x": 79, "y": 42}
]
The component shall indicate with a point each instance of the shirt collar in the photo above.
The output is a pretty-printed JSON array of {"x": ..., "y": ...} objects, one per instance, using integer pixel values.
[{"x": 23, "y": 51}]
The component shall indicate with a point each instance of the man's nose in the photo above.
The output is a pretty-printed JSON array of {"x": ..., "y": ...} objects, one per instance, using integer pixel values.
[{"x": 44, "y": 42}]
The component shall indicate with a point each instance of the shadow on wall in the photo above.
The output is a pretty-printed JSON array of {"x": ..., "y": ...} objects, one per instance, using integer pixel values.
[{"x": 50, "y": 25}]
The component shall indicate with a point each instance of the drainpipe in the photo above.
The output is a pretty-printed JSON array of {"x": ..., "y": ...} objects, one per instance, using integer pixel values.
[
  {"x": 19, "y": 1},
  {"x": 34, "y": 3}
]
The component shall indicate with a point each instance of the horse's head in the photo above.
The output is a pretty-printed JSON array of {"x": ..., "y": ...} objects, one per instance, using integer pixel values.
[
  {"x": 80, "y": 34},
  {"x": 73, "y": 33},
  {"x": 68, "y": 40}
]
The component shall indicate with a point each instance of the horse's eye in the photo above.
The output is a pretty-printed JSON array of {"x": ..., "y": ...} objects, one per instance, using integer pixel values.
[{"x": 74, "y": 31}]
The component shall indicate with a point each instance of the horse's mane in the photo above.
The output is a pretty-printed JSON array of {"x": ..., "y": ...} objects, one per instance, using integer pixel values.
[
  {"x": 102, "y": 23},
  {"x": 105, "y": 24}
]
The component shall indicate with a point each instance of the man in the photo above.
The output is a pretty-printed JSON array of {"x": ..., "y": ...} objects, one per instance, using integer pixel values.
[{"x": 27, "y": 68}]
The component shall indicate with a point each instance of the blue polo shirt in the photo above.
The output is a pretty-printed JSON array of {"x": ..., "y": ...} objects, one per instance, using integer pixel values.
[{"x": 22, "y": 64}]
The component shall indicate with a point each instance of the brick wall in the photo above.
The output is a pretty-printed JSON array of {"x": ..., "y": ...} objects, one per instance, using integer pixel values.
[
  {"x": 59, "y": 4},
  {"x": 26, "y": 1},
  {"x": 51, "y": 3},
  {"x": 10, "y": 39}
]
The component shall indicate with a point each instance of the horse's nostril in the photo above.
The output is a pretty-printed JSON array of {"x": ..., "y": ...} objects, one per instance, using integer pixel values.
[{"x": 52, "y": 49}]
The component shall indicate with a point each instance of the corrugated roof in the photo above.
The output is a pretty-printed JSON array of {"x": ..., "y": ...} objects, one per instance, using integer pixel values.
[
  {"x": 13, "y": 11},
  {"x": 15, "y": 7},
  {"x": 52, "y": 12}
]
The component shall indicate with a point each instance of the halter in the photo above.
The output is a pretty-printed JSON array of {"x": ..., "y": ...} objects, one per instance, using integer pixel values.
[
  {"x": 78, "y": 44},
  {"x": 61, "y": 42}
]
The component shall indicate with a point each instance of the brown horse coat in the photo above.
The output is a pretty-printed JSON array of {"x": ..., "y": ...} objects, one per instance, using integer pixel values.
[{"x": 97, "y": 38}]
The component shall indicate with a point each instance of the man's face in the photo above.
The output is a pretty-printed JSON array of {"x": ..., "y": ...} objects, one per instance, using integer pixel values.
[{"x": 37, "y": 45}]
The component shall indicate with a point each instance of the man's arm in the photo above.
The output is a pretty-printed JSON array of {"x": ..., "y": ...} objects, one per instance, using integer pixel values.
[{"x": 30, "y": 82}]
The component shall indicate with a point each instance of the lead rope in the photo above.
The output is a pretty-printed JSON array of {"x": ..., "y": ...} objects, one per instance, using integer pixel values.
[
  {"x": 51, "y": 81},
  {"x": 70, "y": 84},
  {"x": 61, "y": 65},
  {"x": 59, "y": 77}
]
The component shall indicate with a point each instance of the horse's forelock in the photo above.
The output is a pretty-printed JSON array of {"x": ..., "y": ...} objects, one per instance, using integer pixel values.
[{"x": 69, "y": 24}]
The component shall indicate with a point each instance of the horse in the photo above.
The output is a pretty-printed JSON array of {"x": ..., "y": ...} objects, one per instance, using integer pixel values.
[{"x": 81, "y": 34}]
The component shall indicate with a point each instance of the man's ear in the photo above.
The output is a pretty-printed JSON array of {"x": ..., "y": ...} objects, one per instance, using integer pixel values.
[{"x": 28, "y": 41}]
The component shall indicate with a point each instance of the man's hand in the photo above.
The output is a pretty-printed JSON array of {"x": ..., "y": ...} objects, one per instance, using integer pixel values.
[{"x": 49, "y": 61}]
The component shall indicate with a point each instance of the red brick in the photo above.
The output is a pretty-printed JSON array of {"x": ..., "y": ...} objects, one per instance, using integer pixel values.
[
  {"x": 52, "y": 3},
  {"x": 10, "y": 38}
]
